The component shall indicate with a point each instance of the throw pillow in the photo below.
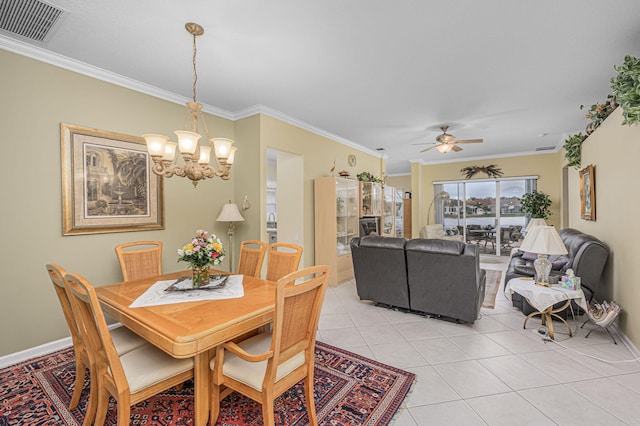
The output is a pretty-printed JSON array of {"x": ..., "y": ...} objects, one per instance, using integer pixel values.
[{"x": 529, "y": 256}]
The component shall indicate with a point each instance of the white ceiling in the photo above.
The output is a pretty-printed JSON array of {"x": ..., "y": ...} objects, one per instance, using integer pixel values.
[{"x": 381, "y": 74}]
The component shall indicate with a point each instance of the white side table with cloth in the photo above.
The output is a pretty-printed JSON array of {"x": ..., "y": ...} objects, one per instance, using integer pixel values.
[{"x": 543, "y": 298}]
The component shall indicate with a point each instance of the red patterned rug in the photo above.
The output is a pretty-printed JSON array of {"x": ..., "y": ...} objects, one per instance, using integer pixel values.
[{"x": 349, "y": 390}]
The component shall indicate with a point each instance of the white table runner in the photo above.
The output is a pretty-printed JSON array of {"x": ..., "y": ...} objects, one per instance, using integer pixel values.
[
  {"x": 542, "y": 297},
  {"x": 156, "y": 294}
]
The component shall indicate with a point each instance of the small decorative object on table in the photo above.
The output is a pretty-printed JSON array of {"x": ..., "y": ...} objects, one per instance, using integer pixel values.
[
  {"x": 344, "y": 173},
  {"x": 203, "y": 251}
]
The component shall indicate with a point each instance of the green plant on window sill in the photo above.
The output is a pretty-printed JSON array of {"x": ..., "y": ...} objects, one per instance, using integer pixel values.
[
  {"x": 536, "y": 204},
  {"x": 626, "y": 89},
  {"x": 573, "y": 149}
]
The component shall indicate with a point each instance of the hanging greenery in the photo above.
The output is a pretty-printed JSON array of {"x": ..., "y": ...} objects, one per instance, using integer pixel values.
[
  {"x": 598, "y": 113},
  {"x": 369, "y": 177},
  {"x": 626, "y": 89},
  {"x": 491, "y": 170},
  {"x": 573, "y": 149}
]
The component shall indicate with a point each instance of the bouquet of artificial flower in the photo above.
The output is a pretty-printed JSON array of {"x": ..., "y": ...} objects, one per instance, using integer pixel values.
[{"x": 203, "y": 250}]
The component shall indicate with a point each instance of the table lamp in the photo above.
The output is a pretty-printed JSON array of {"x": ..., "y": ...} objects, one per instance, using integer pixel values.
[
  {"x": 543, "y": 240},
  {"x": 536, "y": 221},
  {"x": 230, "y": 213}
]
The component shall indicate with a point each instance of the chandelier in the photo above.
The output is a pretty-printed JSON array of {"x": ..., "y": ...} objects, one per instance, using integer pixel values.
[{"x": 195, "y": 156}]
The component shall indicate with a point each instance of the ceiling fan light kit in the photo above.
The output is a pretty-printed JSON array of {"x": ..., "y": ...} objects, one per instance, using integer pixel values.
[{"x": 447, "y": 142}]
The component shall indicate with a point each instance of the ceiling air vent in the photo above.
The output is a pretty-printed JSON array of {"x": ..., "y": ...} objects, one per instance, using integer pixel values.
[
  {"x": 545, "y": 148},
  {"x": 31, "y": 19}
]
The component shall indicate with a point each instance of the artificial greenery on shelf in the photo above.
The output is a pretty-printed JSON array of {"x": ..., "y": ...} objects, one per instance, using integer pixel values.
[
  {"x": 491, "y": 170},
  {"x": 598, "y": 113},
  {"x": 573, "y": 149},
  {"x": 626, "y": 89},
  {"x": 369, "y": 177},
  {"x": 536, "y": 204}
]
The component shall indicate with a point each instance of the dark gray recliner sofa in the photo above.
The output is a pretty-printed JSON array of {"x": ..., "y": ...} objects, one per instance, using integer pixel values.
[
  {"x": 445, "y": 278},
  {"x": 433, "y": 276},
  {"x": 586, "y": 255}
]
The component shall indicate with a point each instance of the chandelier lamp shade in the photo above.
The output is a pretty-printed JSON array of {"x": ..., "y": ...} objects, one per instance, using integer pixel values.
[{"x": 196, "y": 157}]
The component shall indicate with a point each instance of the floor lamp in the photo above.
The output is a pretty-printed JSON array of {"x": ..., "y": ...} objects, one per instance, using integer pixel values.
[
  {"x": 230, "y": 213},
  {"x": 442, "y": 195}
]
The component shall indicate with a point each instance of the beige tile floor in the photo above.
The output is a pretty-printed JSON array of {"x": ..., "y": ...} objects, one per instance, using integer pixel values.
[{"x": 491, "y": 372}]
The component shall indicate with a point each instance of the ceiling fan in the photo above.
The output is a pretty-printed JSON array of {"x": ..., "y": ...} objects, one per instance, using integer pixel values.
[{"x": 447, "y": 142}]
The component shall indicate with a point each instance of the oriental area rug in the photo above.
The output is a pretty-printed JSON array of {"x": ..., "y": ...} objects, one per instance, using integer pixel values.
[{"x": 349, "y": 390}]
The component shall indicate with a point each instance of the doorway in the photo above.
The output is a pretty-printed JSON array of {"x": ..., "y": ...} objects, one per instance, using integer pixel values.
[{"x": 285, "y": 198}]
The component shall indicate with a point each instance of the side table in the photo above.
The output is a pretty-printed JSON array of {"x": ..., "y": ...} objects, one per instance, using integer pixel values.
[{"x": 543, "y": 298}]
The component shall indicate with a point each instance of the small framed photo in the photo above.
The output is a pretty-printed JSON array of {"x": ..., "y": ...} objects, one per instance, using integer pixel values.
[
  {"x": 588, "y": 193},
  {"x": 107, "y": 183}
]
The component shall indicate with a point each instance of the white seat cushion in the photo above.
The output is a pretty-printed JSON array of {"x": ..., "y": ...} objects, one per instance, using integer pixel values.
[
  {"x": 432, "y": 231},
  {"x": 125, "y": 340},
  {"x": 252, "y": 373},
  {"x": 148, "y": 365}
]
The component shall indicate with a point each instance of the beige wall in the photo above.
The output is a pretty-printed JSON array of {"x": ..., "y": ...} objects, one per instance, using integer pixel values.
[
  {"x": 548, "y": 168},
  {"x": 319, "y": 154},
  {"x": 403, "y": 182},
  {"x": 614, "y": 150},
  {"x": 36, "y": 98}
]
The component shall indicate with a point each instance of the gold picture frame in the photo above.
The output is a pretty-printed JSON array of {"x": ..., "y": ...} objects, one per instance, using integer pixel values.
[
  {"x": 107, "y": 183},
  {"x": 588, "y": 193}
]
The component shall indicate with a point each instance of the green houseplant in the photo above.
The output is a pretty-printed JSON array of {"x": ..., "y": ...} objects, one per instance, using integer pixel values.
[
  {"x": 573, "y": 149},
  {"x": 626, "y": 89},
  {"x": 536, "y": 204}
]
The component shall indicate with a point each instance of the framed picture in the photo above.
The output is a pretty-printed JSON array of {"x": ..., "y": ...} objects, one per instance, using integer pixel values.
[
  {"x": 107, "y": 183},
  {"x": 588, "y": 193}
]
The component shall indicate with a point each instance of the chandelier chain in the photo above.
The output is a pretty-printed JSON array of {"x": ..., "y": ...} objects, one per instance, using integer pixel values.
[{"x": 195, "y": 73}]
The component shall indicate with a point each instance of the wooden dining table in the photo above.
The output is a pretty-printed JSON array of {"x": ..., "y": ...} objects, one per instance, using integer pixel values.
[{"x": 191, "y": 329}]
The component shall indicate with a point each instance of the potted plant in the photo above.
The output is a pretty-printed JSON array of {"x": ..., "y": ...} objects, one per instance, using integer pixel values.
[
  {"x": 536, "y": 204},
  {"x": 573, "y": 149},
  {"x": 626, "y": 89}
]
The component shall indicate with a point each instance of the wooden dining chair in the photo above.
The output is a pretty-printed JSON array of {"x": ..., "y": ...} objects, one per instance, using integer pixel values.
[
  {"x": 129, "y": 378},
  {"x": 251, "y": 257},
  {"x": 283, "y": 259},
  {"x": 140, "y": 259},
  {"x": 266, "y": 365},
  {"x": 124, "y": 339}
]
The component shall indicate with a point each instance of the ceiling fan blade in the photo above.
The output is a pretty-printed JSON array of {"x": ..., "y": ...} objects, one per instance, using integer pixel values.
[
  {"x": 427, "y": 149},
  {"x": 456, "y": 148},
  {"x": 469, "y": 141},
  {"x": 423, "y": 143}
]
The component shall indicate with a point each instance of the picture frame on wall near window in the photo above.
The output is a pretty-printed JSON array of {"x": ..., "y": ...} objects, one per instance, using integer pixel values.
[
  {"x": 107, "y": 183},
  {"x": 588, "y": 193}
]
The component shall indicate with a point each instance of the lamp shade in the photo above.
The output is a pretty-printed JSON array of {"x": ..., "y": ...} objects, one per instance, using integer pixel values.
[
  {"x": 536, "y": 221},
  {"x": 543, "y": 240},
  {"x": 230, "y": 213}
]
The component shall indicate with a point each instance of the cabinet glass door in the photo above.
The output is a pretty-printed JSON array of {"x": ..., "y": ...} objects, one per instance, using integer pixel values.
[
  {"x": 399, "y": 204},
  {"x": 371, "y": 199},
  {"x": 388, "y": 211},
  {"x": 346, "y": 214}
]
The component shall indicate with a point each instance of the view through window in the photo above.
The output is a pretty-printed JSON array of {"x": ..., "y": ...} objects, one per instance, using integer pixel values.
[{"x": 486, "y": 212}]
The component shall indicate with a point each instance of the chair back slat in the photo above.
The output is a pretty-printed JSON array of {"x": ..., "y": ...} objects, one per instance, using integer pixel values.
[
  {"x": 94, "y": 329},
  {"x": 298, "y": 308},
  {"x": 283, "y": 259},
  {"x": 57, "y": 273},
  {"x": 251, "y": 257},
  {"x": 140, "y": 259}
]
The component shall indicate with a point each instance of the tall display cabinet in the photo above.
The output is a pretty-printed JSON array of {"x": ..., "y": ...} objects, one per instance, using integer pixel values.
[{"x": 336, "y": 224}]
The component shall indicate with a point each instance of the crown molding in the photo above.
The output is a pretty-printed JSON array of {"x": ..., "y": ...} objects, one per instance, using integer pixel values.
[
  {"x": 289, "y": 119},
  {"x": 79, "y": 67},
  {"x": 485, "y": 157}
]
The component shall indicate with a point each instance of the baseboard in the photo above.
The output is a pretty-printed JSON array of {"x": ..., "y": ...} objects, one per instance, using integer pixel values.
[
  {"x": 627, "y": 342},
  {"x": 36, "y": 351}
]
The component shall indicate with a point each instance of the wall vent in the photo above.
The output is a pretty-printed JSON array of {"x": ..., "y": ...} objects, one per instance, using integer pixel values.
[
  {"x": 545, "y": 148},
  {"x": 31, "y": 19}
]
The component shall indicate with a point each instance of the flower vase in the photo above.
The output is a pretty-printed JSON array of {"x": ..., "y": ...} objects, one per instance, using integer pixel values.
[{"x": 201, "y": 275}]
